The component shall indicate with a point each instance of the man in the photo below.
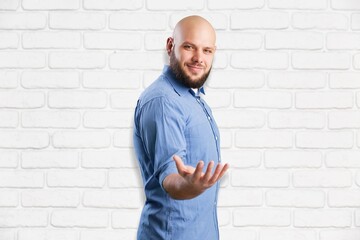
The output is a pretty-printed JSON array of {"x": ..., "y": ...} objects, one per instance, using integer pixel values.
[{"x": 177, "y": 141}]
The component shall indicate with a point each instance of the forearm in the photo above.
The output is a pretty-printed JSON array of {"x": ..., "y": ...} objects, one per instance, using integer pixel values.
[{"x": 178, "y": 188}]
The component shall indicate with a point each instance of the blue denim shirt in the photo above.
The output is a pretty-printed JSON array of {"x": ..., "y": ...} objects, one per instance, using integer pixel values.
[{"x": 172, "y": 119}]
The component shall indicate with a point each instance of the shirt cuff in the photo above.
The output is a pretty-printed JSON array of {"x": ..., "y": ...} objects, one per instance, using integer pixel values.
[{"x": 167, "y": 169}]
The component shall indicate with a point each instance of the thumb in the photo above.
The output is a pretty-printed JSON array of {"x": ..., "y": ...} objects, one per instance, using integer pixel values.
[{"x": 180, "y": 165}]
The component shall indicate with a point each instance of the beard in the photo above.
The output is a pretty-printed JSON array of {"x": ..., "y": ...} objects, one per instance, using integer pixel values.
[{"x": 184, "y": 78}]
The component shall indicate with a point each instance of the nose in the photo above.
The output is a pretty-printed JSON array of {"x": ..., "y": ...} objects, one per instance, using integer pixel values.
[{"x": 198, "y": 56}]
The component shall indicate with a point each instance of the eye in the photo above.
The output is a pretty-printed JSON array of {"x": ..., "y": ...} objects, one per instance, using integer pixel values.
[
  {"x": 208, "y": 51},
  {"x": 188, "y": 47}
]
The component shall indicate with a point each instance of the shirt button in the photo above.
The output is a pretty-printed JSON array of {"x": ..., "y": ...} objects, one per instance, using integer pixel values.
[{"x": 209, "y": 118}]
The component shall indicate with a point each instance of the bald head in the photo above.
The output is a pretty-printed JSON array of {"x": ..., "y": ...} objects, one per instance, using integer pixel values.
[{"x": 194, "y": 27}]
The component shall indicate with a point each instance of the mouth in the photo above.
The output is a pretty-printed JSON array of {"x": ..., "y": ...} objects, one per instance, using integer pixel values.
[{"x": 195, "y": 68}]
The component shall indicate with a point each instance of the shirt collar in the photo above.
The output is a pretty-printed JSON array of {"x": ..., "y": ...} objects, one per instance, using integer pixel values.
[{"x": 179, "y": 88}]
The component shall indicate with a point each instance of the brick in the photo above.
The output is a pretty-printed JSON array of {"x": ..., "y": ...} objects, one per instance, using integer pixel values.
[
  {"x": 8, "y": 234},
  {"x": 8, "y": 79},
  {"x": 324, "y": 100},
  {"x": 264, "y": 139},
  {"x": 344, "y": 198},
  {"x": 136, "y": 61},
  {"x": 233, "y": 4},
  {"x": 295, "y": 198},
  {"x": 123, "y": 138},
  {"x": 22, "y": 59},
  {"x": 50, "y": 198},
  {"x": 49, "y": 159},
  {"x": 321, "y": 60},
  {"x": 9, "y": 119},
  {"x": 259, "y": 20},
  {"x": 292, "y": 159},
  {"x": 296, "y": 119},
  {"x": 22, "y": 21},
  {"x": 22, "y": 99},
  {"x": 262, "y": 217},
  {"x": 9, "y": 159},
  {"x": 348, "y": 234},
  {"x": 235, "y": 41},
  {"x": 24, "y": 139},
  {"x": 79, "y": 218},
  {"x": 221, "y": 61},
  {"x": 9, "y": 40},
  {"x": 9, "y": 198},
  {"x": 262, "y": 99},
  {"x": 244, "y": 198},
  {"x": 217, "y": 99},
  {"x": 345, "y": 5},
  {"x": 344, "y": 80},
  {"x": 296, "y": 80},
  {"x": 241, "y": 159},
  {"x": 81, "y": 139},
  {"x": 78, "y": 178},
  {"x": 229, "y": 233},
  {"x": 50, "y": 4},
  {"x": 60, "y": 40},
  {"x": 344, "y": 119},
  {"x": 9, "y": 5},
  {"x": 231, "y": 79},
  {"x": 343, "y": 159},
  {"x": 259, "y": 178},
  {"x": 125, "y": 178},
  {"x": 49, "y": 234},
  {"x": 298, "y": 4},
  {"x": 223, "y": 218},
  {"x": 77, "y": 20},
  {"x": 21, "y": 179},
  {"x": 156, "y": 41},
  {"x": 124, "y": 158},
  {"x": 174, "y": 5},
  {"x": 23, "y": 218},
  {"x": 50, "y": 119},
  {"x": 324, "y": 139},
  {"x": 356, "y": 61},
  {"x": 321, "y": 21},
  {"x": 239, "y": 118},
  {"x": 226, "y": 138},
  {"x": 343, "y": 41},
  {"x": 122, "y": 198},
  {"x": 294, "y": 40},
  {"x": 355, "y": 21},
  {"x": 50, "y": 79},
  {"x": 108, "y": 234},
  {"x": 113, "y": 5},
  {"x": 117, "y": 99},
  {"x": 322, "y": 178},
  {"x": 125, "y": 219},
  {"x": 357, "y": 218},
  {"x": 137, "y": 21},
  {"x": 111, "y": 79},
  {"x": 77, "y": 99},
  {"x": 81, "y": 60},
  {"x": 122, "y": 41},
  {"x": 219, "y": 21},
  {"x": 293, "y": 234},
  {"x": 322, "y": 218},
  {"x": 260, "y": 60},
  {"x": 108, "y": 119}
]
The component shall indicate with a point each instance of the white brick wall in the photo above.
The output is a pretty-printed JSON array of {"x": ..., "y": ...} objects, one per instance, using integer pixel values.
[{"x": 285, "y": 90}]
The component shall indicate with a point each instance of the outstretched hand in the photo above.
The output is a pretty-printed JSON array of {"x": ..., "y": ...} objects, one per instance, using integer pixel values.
[{"x": 198, "y": 181}]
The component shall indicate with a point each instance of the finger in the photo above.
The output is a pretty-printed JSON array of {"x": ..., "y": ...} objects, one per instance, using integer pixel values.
[
  {"x": 198, "y": 171},
  {"x": 218, "y": 173},
  {"x": 208, "y": 172},
  {"x": 180, "y": 165}
]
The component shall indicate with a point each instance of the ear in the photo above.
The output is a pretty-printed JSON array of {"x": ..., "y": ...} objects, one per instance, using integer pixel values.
[{"x": 169, "y": 45}]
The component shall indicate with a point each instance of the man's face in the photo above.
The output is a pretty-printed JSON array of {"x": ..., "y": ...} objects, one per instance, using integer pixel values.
[{"x": 191, "y": 55}]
